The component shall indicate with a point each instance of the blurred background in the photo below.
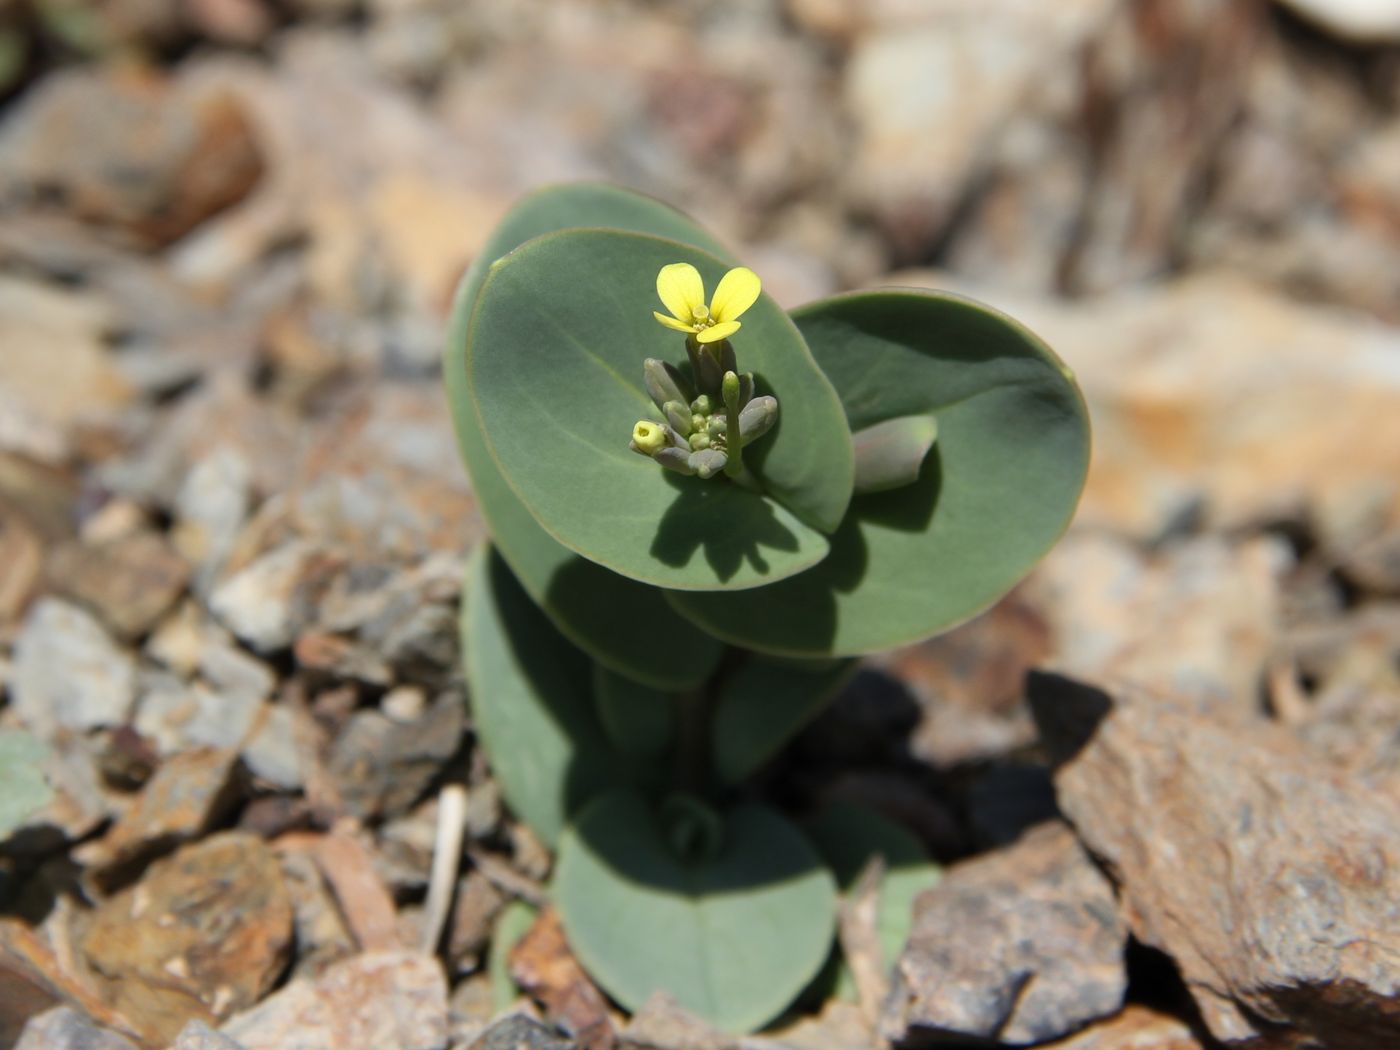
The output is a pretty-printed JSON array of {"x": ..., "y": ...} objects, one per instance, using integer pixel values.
[{"x": 229, "y": 235}]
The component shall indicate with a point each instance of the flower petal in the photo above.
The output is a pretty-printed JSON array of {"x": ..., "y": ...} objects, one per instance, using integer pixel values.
[
  {"x": 723, "y": 330},
  {"x": 736, "y": 293},
  {"x": 671, "y": 322},
  {"x": 681, "y": 289}
]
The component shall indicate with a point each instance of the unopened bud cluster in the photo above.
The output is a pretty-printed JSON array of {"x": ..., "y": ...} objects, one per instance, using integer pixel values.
[{"x": 705, "y": 424}]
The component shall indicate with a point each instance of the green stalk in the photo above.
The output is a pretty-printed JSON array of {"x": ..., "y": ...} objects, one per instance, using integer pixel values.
[
  {"x": 733, "y": 436},
  {"x": 693, "y": 741}
]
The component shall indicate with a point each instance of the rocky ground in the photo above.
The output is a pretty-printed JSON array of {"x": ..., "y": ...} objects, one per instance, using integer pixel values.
[{"x": 233, "y": 520}]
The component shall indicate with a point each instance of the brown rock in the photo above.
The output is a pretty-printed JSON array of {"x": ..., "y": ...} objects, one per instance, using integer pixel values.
[
  {"x": 1352, "y": 665},
  {"x": 382, "y": 766},
  {"x": 205, "y": 933},
  {"x": 64, "y": 1028},
  {"x": 323, "y": 938},
  {"x": 68, "y": 674},
  {"x": 270, "y": 601},
  {"x": 348, "y": 868},
  {"x": 385, "y": 1000},
  {"x": 130, "y": 581},
  {"x": 1198, "y": 619},
  {"x": 521, "y": 1033},
  {"x": 544, "y": 967},
  {"x": 1306, "y": 196},
  {"x": 1136, "y": 1028},
  {"x": 132, "y": 152},
  {"x": 22, "y": 554},
  {"x": 205, "y": 458},
  {"x": 340, "y": 658},
  {"x": 1020, "y": 946},
  {"x": 474, "y": 910},
  {"x": 839, "y": 1026},
  {"x": 48, "y": 331},
  {"x": 199, "y": 1036},
  {"x": 33, "y": 981},
  {"x": 1269, "y": 877},
  {"x": 1375, "y": 564},
  {"x": 184, "y": 798},
  {"x": 384, "y": 478},
  {"x": 1090, "y": 183},
  {"x": 662, "y": 1025},
  {"x": 47, "y": 497},
  {"x": 471, "y": 1007},
  {"x": 965, "y": 70}
]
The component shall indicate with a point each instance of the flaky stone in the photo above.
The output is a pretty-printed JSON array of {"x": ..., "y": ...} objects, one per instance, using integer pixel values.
[
  {"x": 1021, "y": 945},
  {"x": 1271, "y": 878},
  {"x": 387, "y": 1000},
  {"x": 205, "y": 933}
]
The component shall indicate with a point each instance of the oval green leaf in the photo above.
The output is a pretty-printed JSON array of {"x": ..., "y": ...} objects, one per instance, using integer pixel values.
[
  {"x": 733, "y": 939},
  {"x": 640, "y": 721},
  {"x": 554, "y": 370},
  {"x": 763, "y": 705},
  {"x": 994, "y": 494},
  {"x": 580, "y": 596},
  {"x": 530, "y": 701}
]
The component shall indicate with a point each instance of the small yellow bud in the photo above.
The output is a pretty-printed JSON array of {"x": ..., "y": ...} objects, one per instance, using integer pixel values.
[{"x": 649, "y": 436}]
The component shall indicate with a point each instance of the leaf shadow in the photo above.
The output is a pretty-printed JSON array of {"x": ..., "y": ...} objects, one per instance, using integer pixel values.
[
  {"x": 688, "y": 527},
  {"x": 909, "y": 508}
]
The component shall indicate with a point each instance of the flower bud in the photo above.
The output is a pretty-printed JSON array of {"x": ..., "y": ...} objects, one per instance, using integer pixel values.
[
  {"x": 708, "y": 462},
  {"x": 705, "y": 367},
  {"x": 731, "y": 391},
  {"x": 664, "y": 382},
  {"x": 649, "y": 437},
  {"x": 702, "y": 405},
  {"x": 678, "y": 415},
  {"x": 758, "y": 417},
  {"x": 716, "y": 427},
  {"x": 700, "y": 439},
  {"x": 675, "y": 459}
]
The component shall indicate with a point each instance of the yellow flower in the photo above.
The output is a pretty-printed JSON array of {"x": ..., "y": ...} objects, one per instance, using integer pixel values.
[
  {"x": 649, "y": 437},
  {"x": 683, "y": 293}
]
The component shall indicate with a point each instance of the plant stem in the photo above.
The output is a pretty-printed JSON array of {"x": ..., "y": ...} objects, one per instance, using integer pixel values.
[
  {"x": 693, "y": 741},
  {"x": 734, "y": 465}
]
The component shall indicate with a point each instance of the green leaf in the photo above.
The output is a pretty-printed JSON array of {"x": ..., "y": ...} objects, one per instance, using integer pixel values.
[
  {"x": 994, "y": 494},
  {"x": 23, "y": 790},
  {"x": 531, "y": 702},
  {"x": 578, "y": 595},
  {"x": 513, "y": 923},
  {"x": 576, "y": 204},
  {"x": 889, "y": 454},
  {"x": 848, "y": 837},
  {"x": 640, "y": 721},
  {"x": 554, "y": 370},
  {"x": 763, "y": 705},
  {"x": 733, "y": 938}
]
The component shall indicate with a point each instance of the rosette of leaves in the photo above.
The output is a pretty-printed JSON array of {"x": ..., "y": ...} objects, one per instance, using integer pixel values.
[{"x": 642, "y": 637}]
